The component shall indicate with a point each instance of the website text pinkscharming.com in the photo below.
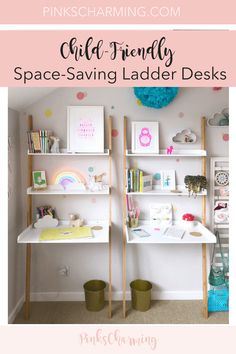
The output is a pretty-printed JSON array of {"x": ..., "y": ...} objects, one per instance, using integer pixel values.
[{"x": 111, "y": 11}]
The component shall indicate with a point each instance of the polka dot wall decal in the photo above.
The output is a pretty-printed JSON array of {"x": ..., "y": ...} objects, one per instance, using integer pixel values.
[
  {"x": 112, "y": 107},
  {"x": 157, "y": 176},
  {"x": 139, "y": 103},
  {"x": 177, "y": 160},
  {"x": 48, "y": 113},
  {"x": 90, "y": 169},
  {"x": 226, "y": 137},
  {"x": 114, "y": 133},
  {"x": 81, "y": 95},
  {"x": 181, "y": 114},
  {"x": 93, "y": 200},
  {"x": 217, "y": 88}
]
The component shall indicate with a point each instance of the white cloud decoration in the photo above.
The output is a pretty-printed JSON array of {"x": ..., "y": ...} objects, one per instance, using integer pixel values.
[
  {"x": 187, "y": 136},
  {"x": 46, "y": 221}
]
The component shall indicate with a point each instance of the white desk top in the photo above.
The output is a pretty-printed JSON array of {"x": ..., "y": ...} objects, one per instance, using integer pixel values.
[
  {"x": 31, "y": 235},
  {"x": 157, "y": 236}
]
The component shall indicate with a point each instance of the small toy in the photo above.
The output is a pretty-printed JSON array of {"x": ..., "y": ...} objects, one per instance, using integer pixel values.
[
  {"x": 54, "y": 141},
  {"x": 75, "y": 220},
  {"x": 99, "y": 177},
  {"x": 169, "y": 150},
  {"x": 96, "y": 183}
]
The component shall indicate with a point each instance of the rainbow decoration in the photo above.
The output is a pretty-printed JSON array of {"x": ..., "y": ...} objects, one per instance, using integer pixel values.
[{"x": 66, "y": 178}]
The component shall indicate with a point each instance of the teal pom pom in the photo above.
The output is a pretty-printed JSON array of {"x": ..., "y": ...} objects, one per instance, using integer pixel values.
[{"x": 156, "y": 97}]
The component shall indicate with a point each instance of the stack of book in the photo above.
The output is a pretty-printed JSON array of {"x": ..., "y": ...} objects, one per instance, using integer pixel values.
[
  {"x": 38, "y": 141},
  {"x": 137, "y": 182}
]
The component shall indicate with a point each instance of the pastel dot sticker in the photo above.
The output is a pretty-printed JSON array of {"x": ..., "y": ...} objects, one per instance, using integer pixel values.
[
  {"x": 48, "y": 113},
  {"x": 90, "y": 169},
  {"x": 226, "y": 137},
  {"x": 93, "y": 200},
  {"x": 181, "y": 114},
  {"x": 174, "y": 210},
  {"x": 139, "y": 103},
  {"x": 112, "y": 107},
  {"x": 177, "y": 160},
  {"x": 157, "y": 176},
  {"x": 81, "y": 95},
  {"x": 114, "y": 133}
]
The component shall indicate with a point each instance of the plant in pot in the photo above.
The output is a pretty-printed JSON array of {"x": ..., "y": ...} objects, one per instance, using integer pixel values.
[{"x": 195, "y": 184}]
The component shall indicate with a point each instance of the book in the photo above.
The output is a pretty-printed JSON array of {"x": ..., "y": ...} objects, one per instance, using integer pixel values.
[
  {"x": 36, "y": 141},
  {"x": 141, "y": 181}
]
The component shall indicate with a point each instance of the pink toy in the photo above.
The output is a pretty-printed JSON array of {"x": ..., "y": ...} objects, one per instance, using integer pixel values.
[{"x": 169, "y": 150}]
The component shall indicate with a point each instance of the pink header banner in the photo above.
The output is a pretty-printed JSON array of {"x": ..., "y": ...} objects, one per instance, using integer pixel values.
[
  {"x": 118, "y": 58},
  {"x": 118, "y": 12}
]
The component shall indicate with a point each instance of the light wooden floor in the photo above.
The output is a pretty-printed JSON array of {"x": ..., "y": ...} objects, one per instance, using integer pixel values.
[{"x": 161, "y": 312}]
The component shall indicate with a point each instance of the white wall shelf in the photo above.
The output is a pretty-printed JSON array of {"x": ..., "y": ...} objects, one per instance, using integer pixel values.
[
  {"x": 58, "y": 190},
  {"x": 176, "y": 153},
  {"x": 74, "y": 154},
  {"x": 180, "y": 191},
  {"x": 157, "y": 236},
  {"x": 32, "y": 235}
]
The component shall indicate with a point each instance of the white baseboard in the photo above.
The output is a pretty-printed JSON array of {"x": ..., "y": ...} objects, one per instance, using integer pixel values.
[
  {"x": 116, "y": 296},
  {"x": 16, "y": 309}
]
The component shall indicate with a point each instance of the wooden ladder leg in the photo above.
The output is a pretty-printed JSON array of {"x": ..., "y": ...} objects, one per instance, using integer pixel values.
[
  {"x": 27, "y": 282},
  {"x": 204, "y": 280}
]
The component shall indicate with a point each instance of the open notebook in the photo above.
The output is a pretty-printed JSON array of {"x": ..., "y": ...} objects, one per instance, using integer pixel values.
[
  {"x": 65, "y": 233},
  {"x": 174, "y": 232}
]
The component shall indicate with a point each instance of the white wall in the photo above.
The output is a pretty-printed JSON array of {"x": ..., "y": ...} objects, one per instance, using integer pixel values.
[
  {"x": 174, "y": 269},
  {"x": 15, "y": 252}
]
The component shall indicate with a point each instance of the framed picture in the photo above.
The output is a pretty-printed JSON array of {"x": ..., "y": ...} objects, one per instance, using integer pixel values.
[
  {"x": 85, "y": 129},
  {"x": 161, "y": 214},
  {"x": 146, "y": 183},
  {"x": 39, "y": 180},
  {"x": 145, "y": 137},
  {"x": 168, "y": 180}
]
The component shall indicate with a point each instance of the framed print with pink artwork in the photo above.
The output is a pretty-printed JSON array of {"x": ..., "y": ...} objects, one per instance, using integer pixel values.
[
  {"x": 85, "y": 129},
  {"x": 145, "y": 137}
]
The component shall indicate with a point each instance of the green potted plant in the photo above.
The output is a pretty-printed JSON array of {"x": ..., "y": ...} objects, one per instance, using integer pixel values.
[{"x": 195, "y": 184}]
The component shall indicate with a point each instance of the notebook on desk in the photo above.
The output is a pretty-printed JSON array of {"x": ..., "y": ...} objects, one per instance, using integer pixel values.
[
  {"x": 65, "y": 233},
  {"x": 174, "y": 232}
]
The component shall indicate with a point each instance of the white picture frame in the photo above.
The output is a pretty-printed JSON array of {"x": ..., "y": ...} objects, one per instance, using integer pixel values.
[
  {"x": 145, "y": 137},
  {"x": 85, "y": 129},
  {"x": 39, "y": 180},
  {"x": 168, "y": 180}
]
